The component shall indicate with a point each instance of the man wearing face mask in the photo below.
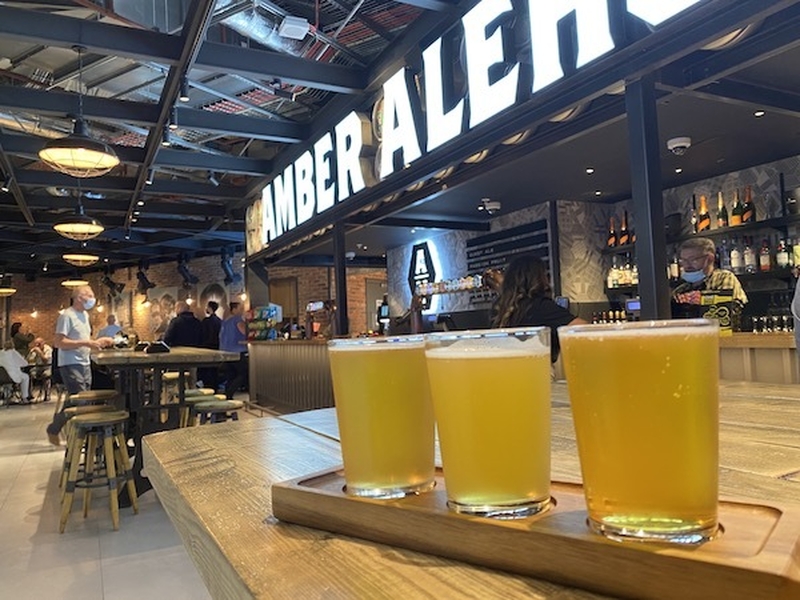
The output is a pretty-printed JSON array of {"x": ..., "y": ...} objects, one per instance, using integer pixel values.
[
  {"x": 698, "y": 274},
  {"x": 74, "y": 341}
]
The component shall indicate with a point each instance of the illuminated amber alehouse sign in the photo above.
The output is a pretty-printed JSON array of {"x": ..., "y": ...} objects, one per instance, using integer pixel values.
[{"x": 339, "y": 164}]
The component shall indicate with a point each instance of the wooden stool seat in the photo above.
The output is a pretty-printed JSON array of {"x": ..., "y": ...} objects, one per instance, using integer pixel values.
[
  {"x": 193, "y": 392},
  {"x": 221, "y": 397},
  {"x": 100, "y": 437},
  {"x": 170, "y": 376},
  {"x": 217, "y": 411},
  {"x": 92, "y": 396}
]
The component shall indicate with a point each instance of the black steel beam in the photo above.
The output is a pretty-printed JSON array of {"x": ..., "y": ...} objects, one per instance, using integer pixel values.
[
  {"x": 648, "y": 203},
  {"x": 36, "y": 27},
  {"x": 141, "y": 45},
  {"x": 108, "y": 183},
  {"x": 14, "y": 187},
  {"x": 109, "y": 206},
  {"x": 421, "y": 223},
  {"x": 139, "y": 113},
  {"x": 241, "y": 125},
  {"x": 29, "y": 146},
  {"x": 295, "y": 70},
  {"x": 741, "y": 93},
  {"x": 437, "y": 5}
]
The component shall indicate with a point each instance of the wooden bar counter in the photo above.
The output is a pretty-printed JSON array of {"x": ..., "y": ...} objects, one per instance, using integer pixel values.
[{"x": 214, "y": 482}]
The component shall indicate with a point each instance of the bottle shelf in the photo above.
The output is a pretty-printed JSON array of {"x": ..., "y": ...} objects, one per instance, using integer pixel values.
[{"x": 776, "y": 223}]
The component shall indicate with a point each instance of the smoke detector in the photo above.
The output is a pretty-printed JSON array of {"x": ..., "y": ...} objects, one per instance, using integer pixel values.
[
  {"x": 489, "y": 206},
  {"x": 679, "y": 145}
]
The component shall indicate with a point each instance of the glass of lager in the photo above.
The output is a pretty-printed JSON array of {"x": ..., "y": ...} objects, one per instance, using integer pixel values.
[
  {"x": 644, "y": 398},
  {"x": 383, "y": 406},
  {"x": 491, "y": 395}
]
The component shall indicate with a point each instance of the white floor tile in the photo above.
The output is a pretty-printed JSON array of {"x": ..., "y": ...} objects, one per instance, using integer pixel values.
[{"x": 90, "y": 561}]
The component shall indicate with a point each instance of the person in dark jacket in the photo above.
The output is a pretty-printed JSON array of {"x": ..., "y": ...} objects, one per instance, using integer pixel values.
[
  {"x": 209, "y": 376},
  {"x": 184, "y": 329}
]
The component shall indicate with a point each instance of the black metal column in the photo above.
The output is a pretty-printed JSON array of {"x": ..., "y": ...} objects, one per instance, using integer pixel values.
[
  {"x": 648, "y": 205},
  {"x": 340, "y": 278}
]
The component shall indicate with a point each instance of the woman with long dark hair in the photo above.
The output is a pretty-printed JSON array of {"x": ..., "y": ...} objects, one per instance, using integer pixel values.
[{"x": 525, "y": 300}]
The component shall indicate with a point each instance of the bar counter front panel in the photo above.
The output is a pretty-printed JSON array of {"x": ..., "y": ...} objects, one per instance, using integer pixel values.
[{"x": 294, "y": 375}]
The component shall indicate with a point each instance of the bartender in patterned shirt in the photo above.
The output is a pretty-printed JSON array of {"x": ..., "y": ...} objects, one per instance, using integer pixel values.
[{"x": 699, "y": 274}]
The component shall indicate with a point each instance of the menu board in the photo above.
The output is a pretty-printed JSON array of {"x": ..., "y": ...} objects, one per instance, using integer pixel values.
[{"x": 495, "y": 250}]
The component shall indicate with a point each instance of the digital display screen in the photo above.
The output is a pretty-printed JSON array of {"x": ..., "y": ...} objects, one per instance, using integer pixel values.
[{"x": 633, "y": 304}]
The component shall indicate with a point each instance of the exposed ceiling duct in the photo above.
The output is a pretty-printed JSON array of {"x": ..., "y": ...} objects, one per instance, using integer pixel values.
[{"x": 258, "y": 26}]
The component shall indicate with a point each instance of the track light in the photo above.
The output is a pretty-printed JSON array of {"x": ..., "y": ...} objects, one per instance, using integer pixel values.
[
  {"x": 212, "y": 179},
  {"x": 183, "y": 96},
  {"x": 6, "y": 187},
  {"x": 151, "y": 173},
  {"x": 173, "y": 119},
  {"x": 165, "y": 138},
  {"x": 189, "y": 279},
  {"x": 115, "y": 288},
  {"x": 144, "y": 283},
  {"x": 226, "y": 263}
]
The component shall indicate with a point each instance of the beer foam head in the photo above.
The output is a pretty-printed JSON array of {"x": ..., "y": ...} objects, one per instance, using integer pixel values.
[
  {"x": 376, "y": 343},
  {"x": 675, "y": 328},
  {"x": 499, "y": 344}
]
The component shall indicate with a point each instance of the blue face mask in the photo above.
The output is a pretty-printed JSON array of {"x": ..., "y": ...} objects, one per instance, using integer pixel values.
[
  {"x": 89, "y": 303},
  {"x": 693, "y": 276}
]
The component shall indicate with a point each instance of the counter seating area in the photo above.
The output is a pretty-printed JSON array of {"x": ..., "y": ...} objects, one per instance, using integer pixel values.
[{"x": 214, "y": 483}]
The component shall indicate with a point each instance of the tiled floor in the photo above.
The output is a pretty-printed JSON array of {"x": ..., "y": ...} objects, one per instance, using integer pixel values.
[{"x": 89, "y": 561}]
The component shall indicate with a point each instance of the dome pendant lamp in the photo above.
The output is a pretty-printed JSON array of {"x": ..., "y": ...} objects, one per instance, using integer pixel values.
[{"x": 78, "y": 154}]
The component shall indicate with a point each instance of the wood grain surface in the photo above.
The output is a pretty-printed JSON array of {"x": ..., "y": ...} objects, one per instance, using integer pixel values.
[
  {"x": 179, "y": 355},
  {"x": 214, "y": 481}
]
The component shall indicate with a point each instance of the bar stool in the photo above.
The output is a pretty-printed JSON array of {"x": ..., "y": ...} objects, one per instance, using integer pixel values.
[
  {"x": 217, "y": 410},
  {"x": 107, "y": 467},
  {"x": 192, "y": 397},
  {"x": 72, "y": 412}
]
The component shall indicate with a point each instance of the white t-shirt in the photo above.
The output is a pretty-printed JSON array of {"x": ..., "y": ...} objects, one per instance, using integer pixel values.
[{"x": 74, "y": 325}]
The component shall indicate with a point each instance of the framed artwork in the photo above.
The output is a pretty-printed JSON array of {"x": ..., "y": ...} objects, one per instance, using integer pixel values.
[
  {"x": 162, "y": 309},
  {"x": 122, "y": 307}
]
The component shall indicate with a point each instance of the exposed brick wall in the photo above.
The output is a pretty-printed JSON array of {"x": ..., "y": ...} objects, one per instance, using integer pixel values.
[
  {"x": 317, "y": 283},
  {"x": 48, "y": 296}
]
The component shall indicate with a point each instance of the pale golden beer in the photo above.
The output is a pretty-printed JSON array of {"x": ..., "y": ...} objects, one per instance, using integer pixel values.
[
  {"x": 645, "y": 402},
  {"x": 491, "y": 395},
  {"x": 380, "y": 386}
]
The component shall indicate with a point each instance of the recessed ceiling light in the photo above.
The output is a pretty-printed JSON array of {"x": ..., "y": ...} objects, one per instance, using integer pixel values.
[
  {"x": 589, "y": 170},
  {"x": 759, "y": 113},
  {"x": 140, "y": 203},
  {"x": 597, "y": 192},
  {"x": 678, "y": 170},
  {"x": 413, "y": 231}
]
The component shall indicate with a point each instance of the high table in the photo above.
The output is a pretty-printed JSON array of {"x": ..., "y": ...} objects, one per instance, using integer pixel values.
[
  {"x": 143, "y": 402},
  {"x": 214, "y": 482}
]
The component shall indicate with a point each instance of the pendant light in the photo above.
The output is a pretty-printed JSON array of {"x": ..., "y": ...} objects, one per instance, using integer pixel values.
[
  {"x": 74, "y": 282},
  {"x": 6, "y": 288},
  {"x": 78, "y": 154},
  {"x": 79, "y": 226},
  {"x": 81, "y": 260}
]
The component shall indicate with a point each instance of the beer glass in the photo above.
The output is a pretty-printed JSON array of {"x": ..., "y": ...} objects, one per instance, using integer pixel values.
[
  {"x": 383, "y": 406},
  {"x": 645, "y": 402},
  {"x": 491, "y": 396}
]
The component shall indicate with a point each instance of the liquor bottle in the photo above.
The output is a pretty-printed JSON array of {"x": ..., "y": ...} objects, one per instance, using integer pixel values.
[
  {"x": 612, "y": 234},
  {"x": 624, "y": 238},
  {"x": 722, "y": 212},
  {"x": 782, "y": 255},
  {"x": 674, "y": 268},
  {"x": 737, "y": 260},
  {"x": 703, "y": 217},
  {"x": 693, "y": 217},
  {"x": 749, "y": 209},
  {"x": 796, "y": 252},
  {"x": 750, "y": 261},
  {"x": 738, "y": 210},
  {"x": 724, "y": 256},
  {"x": 764, "y": 256}
]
